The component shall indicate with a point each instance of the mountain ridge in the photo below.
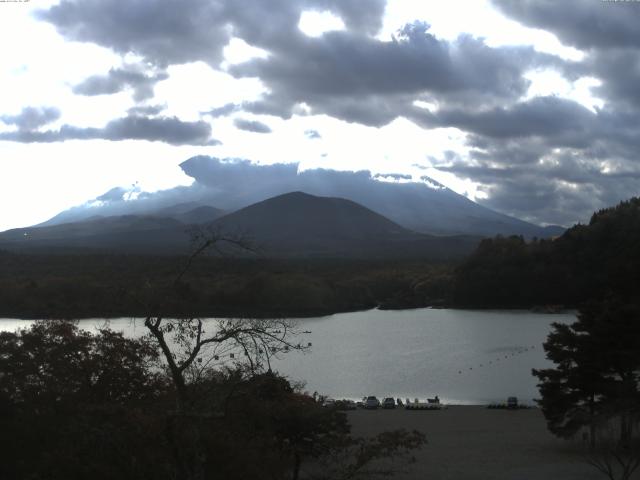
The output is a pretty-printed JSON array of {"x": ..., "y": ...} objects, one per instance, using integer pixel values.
[
  {"x": 422, "y": 206},
  {"x": 295, "y": 224}
]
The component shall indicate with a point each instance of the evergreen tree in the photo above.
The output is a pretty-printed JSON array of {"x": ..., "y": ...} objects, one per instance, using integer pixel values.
[{"x": 597, "y": 372}]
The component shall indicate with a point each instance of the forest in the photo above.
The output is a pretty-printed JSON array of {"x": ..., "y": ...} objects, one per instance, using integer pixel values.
[
  {"x": 503, "y": 272},
  {"x": 81, "y": 286},
  {"x": 585, "y": 262}
]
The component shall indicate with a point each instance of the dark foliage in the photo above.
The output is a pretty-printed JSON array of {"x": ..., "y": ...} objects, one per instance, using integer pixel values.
[
  {"x": 570, "y": 270},
  {"x": 75, "y": 405},
  {"x": 76, "y": 286},
  {"x": 597, "y": 372}
]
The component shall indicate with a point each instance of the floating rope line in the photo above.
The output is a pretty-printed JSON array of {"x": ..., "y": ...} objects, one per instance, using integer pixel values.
[{"x": 518, "y": 351}]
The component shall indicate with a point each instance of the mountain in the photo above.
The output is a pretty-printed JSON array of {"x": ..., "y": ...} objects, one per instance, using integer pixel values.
[
  {"x": 291, "y": 225},
  {"x": 126, "y": 233},
  {"x": 424, "y": 206},
  {"x": 189, "y": 213},
  {"x": 299, "y": 224},
  {"x": 175, "y": 210},
  {"x": 199, "y": 215}
]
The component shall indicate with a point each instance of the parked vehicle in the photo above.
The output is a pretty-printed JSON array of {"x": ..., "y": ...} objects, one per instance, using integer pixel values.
[
  {"x": 372, "y": 402},
  {"x": 388, "y": 403}
]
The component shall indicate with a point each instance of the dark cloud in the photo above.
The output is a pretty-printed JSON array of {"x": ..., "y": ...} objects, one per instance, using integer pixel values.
[
  {"x": 549, "y": 117},
  {"x": 619, "y": 72},
  {"x": 561, "y": 190},
  {"x": 583, "y": 24},
  {"x": 607, "y": 31},
  {"x": 349, "y": 74},
  {"x": 363, "y": 79},
  {"x": 118, "y": 79},
  {"x": 163, "y": 129},
  {"x": 251, "y": 126},
  {"x": 551, "y": 177},
  {"x": 312, "y": 134},
  {"x": 550, "y": 159},
  {"x": 31, "y": 118},
  {"x": 177, "y": 33},
  {"x": 180, "y": 34},
  {"x": 223, "y": 111},
  {"x": 146, "y": 110}
]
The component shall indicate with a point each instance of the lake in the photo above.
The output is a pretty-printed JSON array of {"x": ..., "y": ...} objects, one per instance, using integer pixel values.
[{"x": 463, "y": 356}]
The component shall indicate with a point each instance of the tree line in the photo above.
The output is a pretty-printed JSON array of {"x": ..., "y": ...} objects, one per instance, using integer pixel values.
[
  {"x": 77, "y": 405},
  {"x": 582, "y": 264}
]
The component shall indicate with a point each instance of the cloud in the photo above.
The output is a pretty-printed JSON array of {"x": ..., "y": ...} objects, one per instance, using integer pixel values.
[
  {"x": 392, "y": 176},
  {"x": 549, "y": 117},
  {"x": 541, "y": 150},
  {"x": 348, "y": 74},
  {"x": 223, "y": 111},
  {"x": 144, "y": 110},
  {"x": 561, "y": 191},
  {"x": 251, "y": 126},
  {"x": 117, "y": 79},
  {"x": 235, "y": 183},
  {"x": 164, "y": 129},
  {"x": 113, "y": 195},
  {"x": 583, "y": 24},
  {"x": 31, "y": 118},
  {"x": 606, "y": 31},
  {"x": 180, "y": 34},
  {"x": 362, "y": 79},
  {"x": 548, "y": 176}
]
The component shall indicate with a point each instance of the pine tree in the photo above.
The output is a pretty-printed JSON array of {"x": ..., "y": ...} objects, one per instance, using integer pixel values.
[{"x": 597, "y": 372}]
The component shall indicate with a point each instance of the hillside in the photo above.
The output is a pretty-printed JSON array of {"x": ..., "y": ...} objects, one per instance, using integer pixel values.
[
  {"x": 423, "y": 205},
  {"x": 299, "y": 224},
  {"x": 586, "y": 262},
  {"x": 126, "y": 233},
  {"x": 290, "y": 225}
]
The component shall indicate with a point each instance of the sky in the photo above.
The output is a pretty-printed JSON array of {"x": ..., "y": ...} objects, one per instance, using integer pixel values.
[{"x": 528, "y": 107}]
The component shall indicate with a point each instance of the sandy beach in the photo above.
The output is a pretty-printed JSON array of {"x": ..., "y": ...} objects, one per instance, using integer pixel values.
[{"x": 475, "y": 443}]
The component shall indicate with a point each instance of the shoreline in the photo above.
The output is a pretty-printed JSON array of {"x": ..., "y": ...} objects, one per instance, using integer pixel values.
[{"x": 293, "y": 315}]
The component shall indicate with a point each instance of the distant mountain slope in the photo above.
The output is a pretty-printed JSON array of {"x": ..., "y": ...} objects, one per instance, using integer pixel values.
[
  {"x": 290, "y": 225},
  {"x": 423, "y": 206},
  {"x": 174, "y": 210},
  {"x": 427, "y": 206},
  {"x": 125, "y": 233},
  {"x": 299, "y": 224},
  {"x": 199, "y": 215},
  {"x": 299, "y": 214}
]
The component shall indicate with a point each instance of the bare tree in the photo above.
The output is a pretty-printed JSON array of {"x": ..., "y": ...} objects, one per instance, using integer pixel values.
[
  {"x": 616, "y": 459},
  {"x": 191, "y": 346}
]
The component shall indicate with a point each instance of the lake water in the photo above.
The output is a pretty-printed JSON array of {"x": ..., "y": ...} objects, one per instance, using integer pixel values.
[{"x": 463, "y": 356}]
